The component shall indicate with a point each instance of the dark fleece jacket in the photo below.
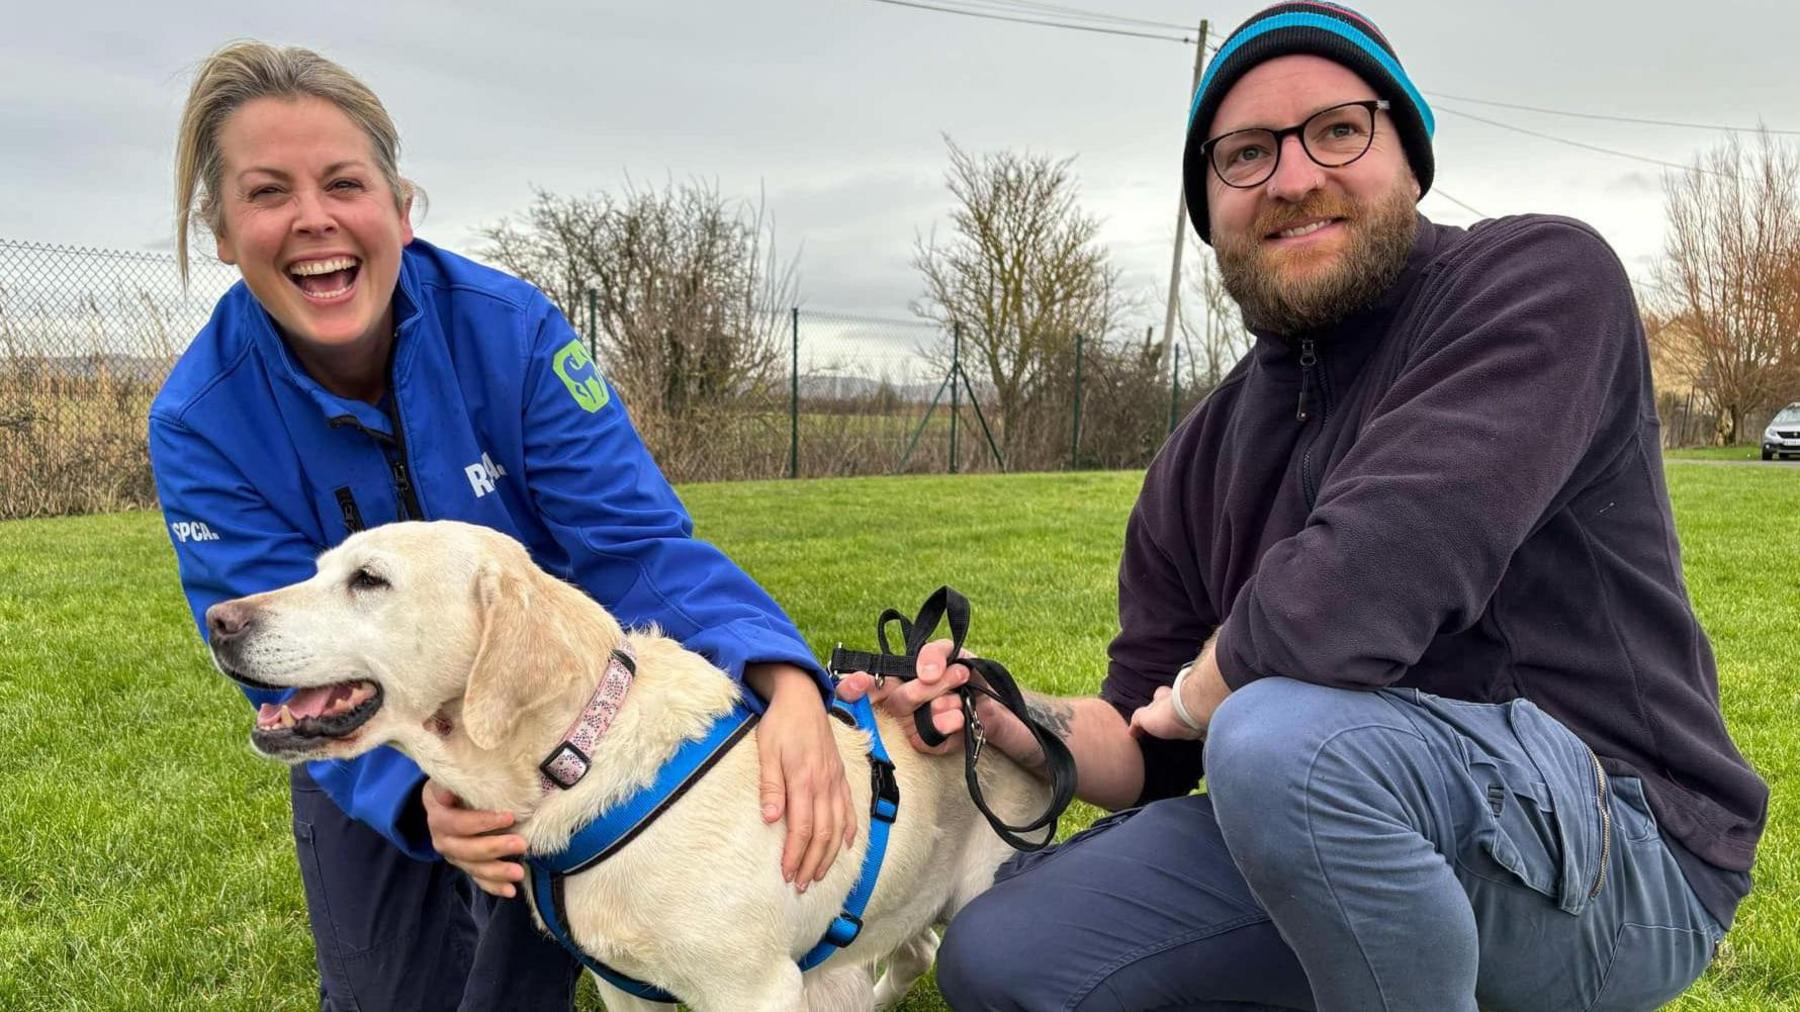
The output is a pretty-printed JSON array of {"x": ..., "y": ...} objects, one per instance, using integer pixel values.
[{"x": 1473, "y": 506}]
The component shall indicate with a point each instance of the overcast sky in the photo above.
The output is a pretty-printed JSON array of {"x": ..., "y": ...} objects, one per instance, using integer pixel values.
[{"x": 835, "y": 110}]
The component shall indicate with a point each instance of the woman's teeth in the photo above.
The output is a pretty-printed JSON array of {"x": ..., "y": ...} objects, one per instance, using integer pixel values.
[
  {"x": 312, "y": 267},
  {"x": 313, "y": 277},
  {"x": 334, "y": 293}
]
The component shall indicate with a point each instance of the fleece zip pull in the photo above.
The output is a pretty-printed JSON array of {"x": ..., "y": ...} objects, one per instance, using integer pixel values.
[
  {"x": 1308, "y": 359},
  {"x": 1315, "y": 391}
]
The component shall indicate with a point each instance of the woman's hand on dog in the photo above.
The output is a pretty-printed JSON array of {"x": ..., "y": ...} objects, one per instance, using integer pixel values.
[
  {"x": 467, "y": 839},
  {"x": 802, "y": 773}
]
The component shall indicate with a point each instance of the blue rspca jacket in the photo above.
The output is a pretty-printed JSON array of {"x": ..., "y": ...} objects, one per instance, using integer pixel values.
[{"x": 496, "y": 415}]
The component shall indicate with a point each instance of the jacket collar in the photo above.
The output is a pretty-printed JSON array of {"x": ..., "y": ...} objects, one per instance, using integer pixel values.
[{"x": 281, "y": 363}]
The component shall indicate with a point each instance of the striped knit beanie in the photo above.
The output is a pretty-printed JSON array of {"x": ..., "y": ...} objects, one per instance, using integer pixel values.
[{"x": 1334, "y": 32}]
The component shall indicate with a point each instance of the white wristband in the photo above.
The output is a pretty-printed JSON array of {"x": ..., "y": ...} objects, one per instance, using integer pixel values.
[{"x": 1181, "y": 710}]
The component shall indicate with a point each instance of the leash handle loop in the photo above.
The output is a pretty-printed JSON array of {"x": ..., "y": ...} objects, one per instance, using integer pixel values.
[
  {"x": 993, "y": 681},
  {"x": 944, "y": 602}
]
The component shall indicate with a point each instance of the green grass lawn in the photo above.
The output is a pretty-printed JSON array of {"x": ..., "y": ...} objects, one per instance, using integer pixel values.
[{"x": 146, "y": 860}]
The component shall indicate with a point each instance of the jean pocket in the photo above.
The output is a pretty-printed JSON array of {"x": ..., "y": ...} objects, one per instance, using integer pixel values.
[
  {"x": 1651, "y": 966},
  {"x": 1632, "y": 818},
  {"x": 1514, "y": 838},
  {"x": 1579, "y": 791}
]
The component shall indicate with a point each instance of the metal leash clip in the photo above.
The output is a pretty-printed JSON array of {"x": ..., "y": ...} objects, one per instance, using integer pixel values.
[{"x": 972, "y": 726}]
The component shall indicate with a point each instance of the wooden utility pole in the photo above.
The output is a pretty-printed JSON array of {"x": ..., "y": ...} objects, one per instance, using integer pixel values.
[{"x": 1181, "y": 222}]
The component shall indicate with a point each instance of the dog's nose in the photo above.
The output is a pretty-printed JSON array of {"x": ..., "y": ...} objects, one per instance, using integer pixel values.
[{"x": 227, "y": 619}]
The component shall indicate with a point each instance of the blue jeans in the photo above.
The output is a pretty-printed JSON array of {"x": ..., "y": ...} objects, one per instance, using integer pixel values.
[
  {"x": 1357, "y": 850},
  {"x": 392, "y": 934}
]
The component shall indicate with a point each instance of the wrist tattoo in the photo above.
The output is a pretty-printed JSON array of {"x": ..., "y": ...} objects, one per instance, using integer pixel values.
[{"x": 1056, "y": 716}]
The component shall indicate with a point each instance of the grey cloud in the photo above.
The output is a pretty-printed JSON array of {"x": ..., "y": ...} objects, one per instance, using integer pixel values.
[{"x": 836, "y": 108}]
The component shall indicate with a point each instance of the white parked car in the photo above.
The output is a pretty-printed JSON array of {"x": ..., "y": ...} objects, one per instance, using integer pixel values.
[{"x": 1782, "y": 437}]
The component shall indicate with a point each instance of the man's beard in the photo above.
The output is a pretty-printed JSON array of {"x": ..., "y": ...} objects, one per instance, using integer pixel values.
[{"x": 1285, "y": 292}]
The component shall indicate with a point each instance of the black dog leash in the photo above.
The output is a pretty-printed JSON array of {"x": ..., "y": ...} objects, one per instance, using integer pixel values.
[{"x": 999, "y": 686}]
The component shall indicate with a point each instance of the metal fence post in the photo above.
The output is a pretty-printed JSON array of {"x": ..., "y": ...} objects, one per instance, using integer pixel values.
[
  {"x": 955, "y": 395},
  {"x": 1075, "y": 439},
  {"x": 1175, "y": 388},
  {"x": 794, "y": 404},
  {"x": 593, "y": 332}
]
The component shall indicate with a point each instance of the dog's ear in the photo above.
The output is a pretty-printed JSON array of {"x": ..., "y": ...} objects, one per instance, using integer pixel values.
[{"x": 518, "y": 660}]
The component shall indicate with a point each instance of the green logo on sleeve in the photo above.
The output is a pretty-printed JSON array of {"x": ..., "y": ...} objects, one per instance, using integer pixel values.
[{"x": 578, "y": 372}]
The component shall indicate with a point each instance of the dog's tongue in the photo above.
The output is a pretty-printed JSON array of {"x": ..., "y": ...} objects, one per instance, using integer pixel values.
[{"x": 312, "y": 702}]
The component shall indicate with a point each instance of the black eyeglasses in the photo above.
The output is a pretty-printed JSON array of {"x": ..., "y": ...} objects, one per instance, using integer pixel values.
[{"x": 1332, "y": 138}]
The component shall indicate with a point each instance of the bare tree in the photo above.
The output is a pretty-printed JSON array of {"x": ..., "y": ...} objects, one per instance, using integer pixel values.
[
  {"x": 1214, "y": 330},
  {"x": 685, "y": 283},
  {"x": 1728, "y": 307},
  {"x": 1022, "y": 274}
]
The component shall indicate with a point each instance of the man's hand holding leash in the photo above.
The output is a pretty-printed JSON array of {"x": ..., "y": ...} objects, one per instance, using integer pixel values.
[
  {"x": 1109, "y": 767},
  {"x": 936, "y": 686}
]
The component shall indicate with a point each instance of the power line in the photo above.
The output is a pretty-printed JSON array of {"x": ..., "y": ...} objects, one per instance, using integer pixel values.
[
  {"x": 1579, "y": 144},
  {"x": 979, "y": 9},
  {"x": 1079, "y": 13},
  {"x": 987, "y": 12},
  {"x": 1213, "y": 48},
  {"x": 1034, "y": 21},
  {"x": 1615, "y": 119},
  {"x": 1477, "y": 212}
]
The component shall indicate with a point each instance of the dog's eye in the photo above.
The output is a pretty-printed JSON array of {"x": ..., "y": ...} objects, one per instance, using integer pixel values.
[{"x": 364, "y": 579}]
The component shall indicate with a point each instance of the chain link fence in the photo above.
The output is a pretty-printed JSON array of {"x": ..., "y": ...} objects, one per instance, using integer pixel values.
[
  {"x": 87, "y": 337},
  {"x": 867, "y": 396}
]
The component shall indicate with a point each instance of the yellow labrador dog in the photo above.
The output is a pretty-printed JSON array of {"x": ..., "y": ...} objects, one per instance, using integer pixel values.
[{"x": 445, "y": 640}]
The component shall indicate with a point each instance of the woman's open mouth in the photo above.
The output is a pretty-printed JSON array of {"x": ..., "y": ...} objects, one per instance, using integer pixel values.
[
  {"x": 327, "y": 280},
  {"x": 325, "y": 711}
]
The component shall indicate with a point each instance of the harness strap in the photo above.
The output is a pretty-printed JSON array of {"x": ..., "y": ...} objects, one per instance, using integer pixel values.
[
  {"x": 622, "y": 823},
  {"x": 619, "y": 825},
  {"x": 547, "y": 896},
  {"x": 884, "y": 806},
  {"x": 995, "y": 682}
]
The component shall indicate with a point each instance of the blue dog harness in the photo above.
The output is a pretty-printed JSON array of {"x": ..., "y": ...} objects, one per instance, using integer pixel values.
[{"x": 619, "y": 825}]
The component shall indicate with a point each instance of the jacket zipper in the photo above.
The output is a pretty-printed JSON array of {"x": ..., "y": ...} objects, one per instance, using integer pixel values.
[
  {"x": 1308, "y": 360},
  {"x": 1600, "y": 791},
  {"x": 1312, "y": 375},
  {"x": 403, "y": 485},
  {"x": 393, "y": 448}
]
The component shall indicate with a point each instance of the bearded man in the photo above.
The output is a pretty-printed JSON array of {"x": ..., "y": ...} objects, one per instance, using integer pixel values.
[{"x": 1407, "y": 581}]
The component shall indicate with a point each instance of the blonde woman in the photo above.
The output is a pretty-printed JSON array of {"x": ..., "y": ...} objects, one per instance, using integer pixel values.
[{"x": 359, "y": 376}]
